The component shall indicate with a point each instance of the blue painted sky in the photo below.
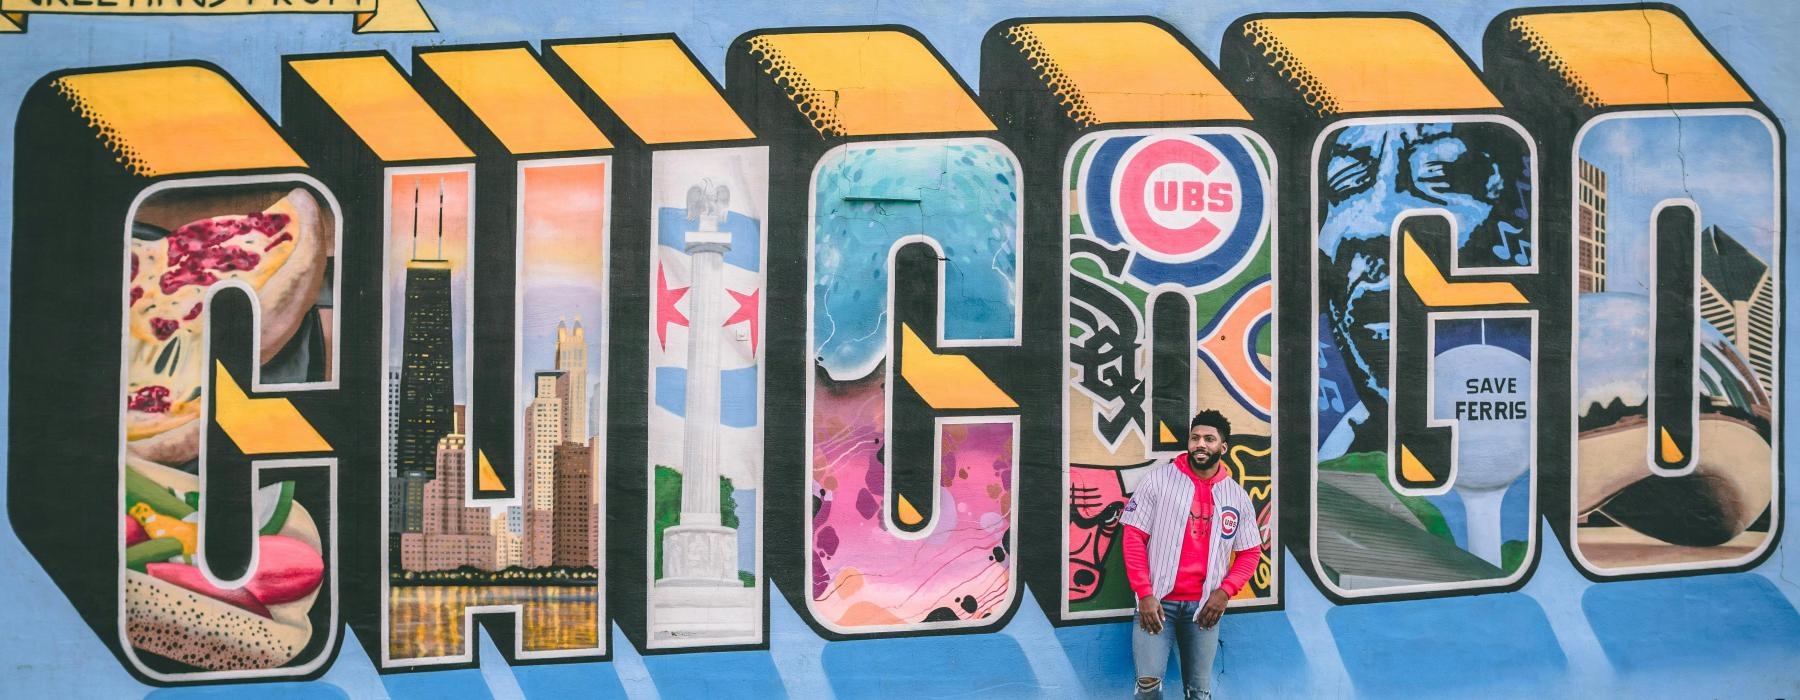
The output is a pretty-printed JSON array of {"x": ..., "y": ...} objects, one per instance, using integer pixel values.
[{"x": 1722, "y": 162}]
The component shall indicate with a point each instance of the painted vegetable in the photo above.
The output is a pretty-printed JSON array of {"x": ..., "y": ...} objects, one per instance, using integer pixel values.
[
  {"x": 134, "y": 532},
  {"x": 272, "y": 505},
  {"x": 153, "y": 551},
  {"x": 160, "y": 525},
  {"x": 141, "y": 489},
  {"x": 174, "y": 611}
]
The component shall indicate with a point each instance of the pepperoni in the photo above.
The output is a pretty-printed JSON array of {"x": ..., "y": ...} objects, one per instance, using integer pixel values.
[
  {"x": 194, "y": 312},
  {"x": 199, "y": 249},
  {"x": 150, "y": 399},
  {"x": 283, "y": 238},
  {"x": 136, "y": 291},
  {"x": 164, "y": 327}
]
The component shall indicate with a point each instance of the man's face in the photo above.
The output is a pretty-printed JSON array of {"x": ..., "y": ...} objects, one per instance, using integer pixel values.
[
  {"x": 1371, "y": 174},
  {"x": 1205, "y": 446}
]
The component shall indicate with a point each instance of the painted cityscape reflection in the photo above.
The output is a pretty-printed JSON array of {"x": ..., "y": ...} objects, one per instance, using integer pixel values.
[{"x": 428, "y": 621}]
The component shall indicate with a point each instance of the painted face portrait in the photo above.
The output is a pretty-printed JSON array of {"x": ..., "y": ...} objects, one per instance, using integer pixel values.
[{"x": 1369, "y": 175}]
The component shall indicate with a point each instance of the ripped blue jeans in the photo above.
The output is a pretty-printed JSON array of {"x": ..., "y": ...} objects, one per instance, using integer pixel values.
[{"x": 1198, "y": 646}]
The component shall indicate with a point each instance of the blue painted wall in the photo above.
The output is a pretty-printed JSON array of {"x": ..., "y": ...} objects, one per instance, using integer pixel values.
[{"x": 1727, "y": 635}]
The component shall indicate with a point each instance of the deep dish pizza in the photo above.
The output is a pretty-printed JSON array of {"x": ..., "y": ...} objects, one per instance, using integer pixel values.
[{"x": 279, "y": 252}]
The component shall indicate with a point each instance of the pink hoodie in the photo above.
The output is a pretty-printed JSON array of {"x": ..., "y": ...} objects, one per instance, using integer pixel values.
[{"x": 1191, "y": 577}]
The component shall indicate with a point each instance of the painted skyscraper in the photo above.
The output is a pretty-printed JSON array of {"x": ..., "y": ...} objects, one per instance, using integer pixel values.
[
  {"x": 571, "y": 357},
  {"x": 453, "y": 534},
  {"x": 576, "y": 540},
  {"x": 1737, "y": 296},
  {"x": 1590, "y": 215},
  {"x": 393, "y": 419},
  {"x": 427, "y": 396},
  {"x": 546, "y": 428}
]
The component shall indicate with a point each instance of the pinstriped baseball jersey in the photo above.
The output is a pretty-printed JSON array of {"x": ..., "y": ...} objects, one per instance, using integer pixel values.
[{"x": 1160, "y": 507}]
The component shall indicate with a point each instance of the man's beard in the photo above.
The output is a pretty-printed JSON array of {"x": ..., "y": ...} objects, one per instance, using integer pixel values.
[{"x": 1194, "y": 460}]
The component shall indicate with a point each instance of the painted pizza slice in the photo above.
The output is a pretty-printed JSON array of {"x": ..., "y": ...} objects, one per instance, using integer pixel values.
[{"x": 279, "y": 252}]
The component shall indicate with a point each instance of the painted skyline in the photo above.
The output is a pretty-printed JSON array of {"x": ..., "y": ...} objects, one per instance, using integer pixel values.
[
  {"x": 563, "y": 262},
  {"x": 455, "y": 211}
]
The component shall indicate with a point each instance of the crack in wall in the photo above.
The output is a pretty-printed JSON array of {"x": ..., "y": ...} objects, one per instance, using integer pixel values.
[{"x": 1668, "y": 99}]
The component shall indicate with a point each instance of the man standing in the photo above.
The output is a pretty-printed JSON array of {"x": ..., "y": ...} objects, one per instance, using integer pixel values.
[{"x": 1191, "y": 541}]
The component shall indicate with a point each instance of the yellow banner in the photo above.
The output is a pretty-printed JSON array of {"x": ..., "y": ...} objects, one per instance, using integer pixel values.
[{"x": 371, "y": 16}]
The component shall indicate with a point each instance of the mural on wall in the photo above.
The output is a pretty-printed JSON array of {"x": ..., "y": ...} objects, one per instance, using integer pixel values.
[
  {"x": 1675, "y": 220},
  {"x": 890, "y": 216},
  {"x": 526, "y": 539},
  {"x": 515, "y": 524},
  {"x": 540, "y": 552},
  {"x": 1170, "y": 301},
  {"x": 427, "y": 321},
  {"x": 402, "y": 171},
  {"x": 272, "y": 239},
  {"x": 1165, "y": 267},
  {"x": 686, "y": 534},
  {"x": 909, "y": 445},
  {"x": 1466, "y": 518},
  {"x": 371, "y": 363},
  {"x": 1423, "y": 255},
  {"x": 1659, "y": 489},
  {"x": 706, "y": 396},
  {"x": 196, "y": 446}
]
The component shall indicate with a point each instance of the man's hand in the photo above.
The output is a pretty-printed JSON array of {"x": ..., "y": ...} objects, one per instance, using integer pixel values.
[
  {"x": 1150, "y": 614},
  {"x": 1214, "y": 608}
]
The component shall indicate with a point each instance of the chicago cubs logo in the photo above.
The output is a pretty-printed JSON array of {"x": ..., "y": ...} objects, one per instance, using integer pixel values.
[
  {"x": 1228, "y": 522},
  {"x": 1175, "y": 196},
  {"x": 1189, "y": 208}
]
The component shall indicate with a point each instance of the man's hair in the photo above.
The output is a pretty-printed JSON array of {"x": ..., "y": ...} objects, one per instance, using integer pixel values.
[{"x": 1215, "y": 420}]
